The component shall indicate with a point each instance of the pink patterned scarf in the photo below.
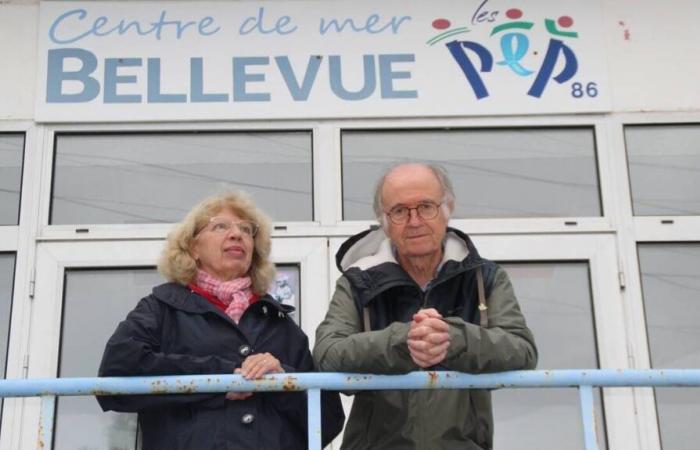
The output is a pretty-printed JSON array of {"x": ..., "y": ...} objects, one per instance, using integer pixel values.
[{"x": 235, "y": 294}]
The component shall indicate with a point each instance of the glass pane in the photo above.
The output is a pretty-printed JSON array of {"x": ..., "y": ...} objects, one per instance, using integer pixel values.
[
  {"x": 496, "y": 173},
  {"x": 671, "y": 283},
  {"x": 103, "y": 178},
  {"x": 11, "y": 156},
  {"x": 564, "y": 331},
  {"x": 7, "y": 271},
  {"x": 95, "y": 301},
  {"x": 286, "y": 288},
  {"x": 664, "y": 165}
]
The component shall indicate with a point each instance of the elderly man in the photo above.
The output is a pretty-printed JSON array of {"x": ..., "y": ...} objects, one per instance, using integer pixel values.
[{"x": 417, "y": 295}]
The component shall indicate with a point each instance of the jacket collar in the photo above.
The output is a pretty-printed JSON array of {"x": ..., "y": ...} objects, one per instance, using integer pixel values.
[
  {"x": 372, "y": 269},
  {"x": 372, "y": 248},
  {"x": 183, "y": 298}
]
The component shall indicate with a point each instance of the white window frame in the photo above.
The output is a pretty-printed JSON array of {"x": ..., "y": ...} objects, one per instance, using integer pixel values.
[
  {"x": 599, "y": 251},
  {"x": 603, "y": 223},
  {"x": 19, "y": 239},
  {"x": 159, "y": 231},
  {"x": 634, "y": 230},
  {"x": 52, "y": 260}
]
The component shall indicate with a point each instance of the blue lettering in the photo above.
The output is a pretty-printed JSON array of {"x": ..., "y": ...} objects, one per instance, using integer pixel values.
[
  {"x": 112, "y": 80},
  {"x": 154, "y": 94},
  {"x": 99, "y": 27},
  {"x": 511, "y": 57},
  {"x": 81, "y": 13},
  {"x": 299, "y": 93},
  {"x": 99, "y": 23},
  {"x": 387, "y": 75},
  {"x": 335, "y": 74},
  {"x": 197, "y": 84},
  {"x": 56, "y": 76},
  {"x": 241, "y": 78},
  {"x": 555, "y": 48},
  {"x": 205, "y": 23},
  {"x": 158, "y": 26},
  {"x": 123, "y": 27},
  {"x": 369, "y": 26},
  {"x": 456, "y": 48},
  {"x": 254, "y": 23}
]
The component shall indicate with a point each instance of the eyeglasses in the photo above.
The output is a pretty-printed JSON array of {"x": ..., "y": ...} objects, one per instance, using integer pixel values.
[
  {"x": 401, "y": 214},
  {"x": 222, "y": 225}
]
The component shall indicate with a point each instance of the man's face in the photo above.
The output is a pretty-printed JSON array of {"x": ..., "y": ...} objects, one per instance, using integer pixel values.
[{"x": 409, "y": 186}]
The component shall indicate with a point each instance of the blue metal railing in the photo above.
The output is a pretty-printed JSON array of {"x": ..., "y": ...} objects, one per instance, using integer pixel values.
[{"x": 584, "y": 380}]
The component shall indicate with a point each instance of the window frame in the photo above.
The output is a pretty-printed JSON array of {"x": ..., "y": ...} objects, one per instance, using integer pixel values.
[
  {"x": 503, "y": 127},
  {"x": 648, "y": 395},
  {"x": 21, "y": 173},
  {"x": 54, "y": 258},
  {"x": 599, "y": 251},
  {"x": 604, "y": 223},
  {"x": 87, "y": 232}
]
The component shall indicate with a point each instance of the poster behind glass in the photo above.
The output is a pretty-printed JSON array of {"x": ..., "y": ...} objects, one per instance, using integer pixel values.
[{"x": 285, "y": 289}]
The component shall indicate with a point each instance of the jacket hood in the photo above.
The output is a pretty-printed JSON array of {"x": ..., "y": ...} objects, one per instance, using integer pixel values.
[
  {"x": 183, "y": 298},
  {"x": 372, "y": 247}
]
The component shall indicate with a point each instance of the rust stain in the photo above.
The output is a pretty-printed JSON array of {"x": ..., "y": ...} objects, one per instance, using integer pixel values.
[
  {"x": 188, "y": 388},
  {"x": 290, "y": 384},
  {"x": 626, "y": 31},
  {"x": 99, "y": 392},
  {"x": 433, "y": 378},
  {"x": 157, "y": 388}
]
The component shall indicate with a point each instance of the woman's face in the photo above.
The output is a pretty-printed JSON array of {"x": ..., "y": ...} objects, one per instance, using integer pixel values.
[{"x": 224, "y": 248}]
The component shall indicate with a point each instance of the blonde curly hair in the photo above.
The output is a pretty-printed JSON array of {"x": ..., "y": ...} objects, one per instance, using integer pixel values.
[{"x": 176, "y": 262}]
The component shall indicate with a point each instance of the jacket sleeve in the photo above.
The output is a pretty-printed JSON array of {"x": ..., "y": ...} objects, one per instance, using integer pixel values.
[
  {"x": 294, "y": 404},
  {"x": 342, "y": 346},
  {"x": 506, "y": 344},
  {"x": 135, "y": 350}
]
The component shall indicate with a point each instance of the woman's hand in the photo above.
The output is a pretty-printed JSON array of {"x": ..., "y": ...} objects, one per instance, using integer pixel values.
[{"x": 253, "y": 368}]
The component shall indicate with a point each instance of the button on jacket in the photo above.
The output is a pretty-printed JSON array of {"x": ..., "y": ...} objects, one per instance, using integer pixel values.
[{"x": 175, "y": 331}]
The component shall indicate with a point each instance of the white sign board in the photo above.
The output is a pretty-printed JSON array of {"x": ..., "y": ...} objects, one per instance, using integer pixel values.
[{"x": 145, "y": 61}]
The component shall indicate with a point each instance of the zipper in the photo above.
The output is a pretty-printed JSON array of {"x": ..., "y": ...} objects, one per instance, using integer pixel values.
[{"x": 432, "y": 285}]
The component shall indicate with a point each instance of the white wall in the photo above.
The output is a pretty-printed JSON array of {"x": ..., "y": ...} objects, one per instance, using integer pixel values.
[
  {"x": 653, "y": 54},
  {"x": 18, "y": 53}
]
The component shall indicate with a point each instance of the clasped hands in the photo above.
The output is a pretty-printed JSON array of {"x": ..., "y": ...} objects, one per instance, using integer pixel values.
[
  {"x": 253, "y": 368},
  {"x": 428, "y": 338}
]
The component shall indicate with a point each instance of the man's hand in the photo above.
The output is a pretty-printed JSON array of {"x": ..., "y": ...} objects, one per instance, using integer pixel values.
[
  {"x": 253, "y": 368},
  {"x": 428, "y": 338}
]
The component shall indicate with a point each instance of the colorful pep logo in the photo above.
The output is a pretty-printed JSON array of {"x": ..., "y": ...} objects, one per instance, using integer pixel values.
[{"x": 475, "y": 59}]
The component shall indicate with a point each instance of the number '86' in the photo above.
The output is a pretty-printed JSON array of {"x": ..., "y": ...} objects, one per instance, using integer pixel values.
[{"x": 578, "y": 91}]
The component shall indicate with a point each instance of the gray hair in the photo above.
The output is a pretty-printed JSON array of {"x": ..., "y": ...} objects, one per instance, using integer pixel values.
[{"x": 448, "y": 193}]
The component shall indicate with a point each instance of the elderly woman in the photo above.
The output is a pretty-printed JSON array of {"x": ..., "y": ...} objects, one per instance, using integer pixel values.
[{"x": 215, "y": 317}]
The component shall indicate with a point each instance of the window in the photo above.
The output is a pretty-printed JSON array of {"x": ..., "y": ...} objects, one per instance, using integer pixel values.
[
  {"x": 11, "y": 156},
  {"x": 670, "y": 274},
  {"x": 95, "y": 301},
  {"x": 664, "y": 166},
  {"x": 7, "y": 270},
  {"x": 154, "y": 178},
  {"x": 533, "y": 172},
  {"x": 557, "y": 304}
]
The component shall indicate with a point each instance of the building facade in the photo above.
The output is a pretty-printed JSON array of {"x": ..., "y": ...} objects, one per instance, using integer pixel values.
[{"x": 571, "y": 131}]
